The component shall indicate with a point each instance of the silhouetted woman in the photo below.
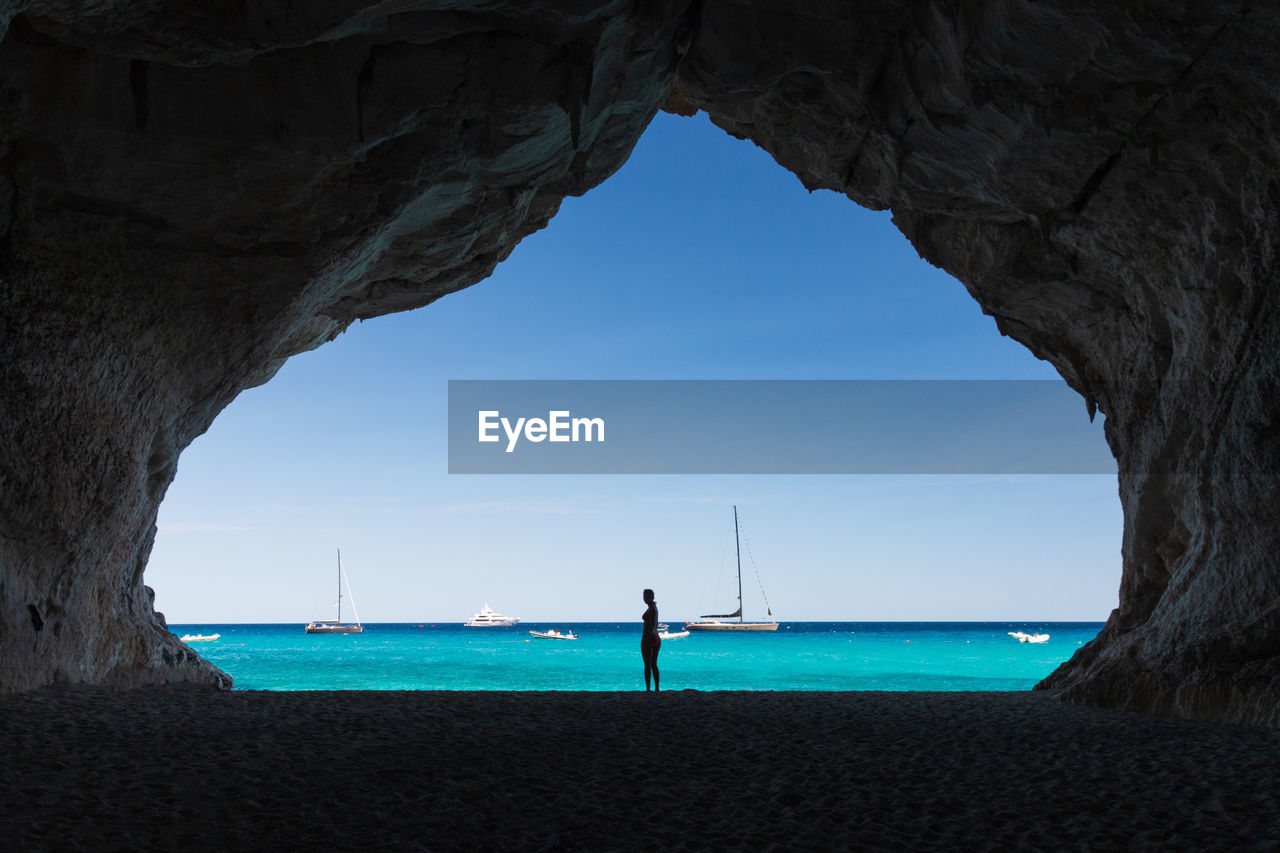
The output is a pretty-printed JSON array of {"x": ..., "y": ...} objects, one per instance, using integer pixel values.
[{"x": 649, "y": 640}]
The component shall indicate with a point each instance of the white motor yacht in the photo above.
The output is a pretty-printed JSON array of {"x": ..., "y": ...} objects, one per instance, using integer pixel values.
[{"x": 490, "y": 618}]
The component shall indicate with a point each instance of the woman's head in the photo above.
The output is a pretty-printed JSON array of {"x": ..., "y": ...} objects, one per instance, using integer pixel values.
[{"x": 648, "y": 596}]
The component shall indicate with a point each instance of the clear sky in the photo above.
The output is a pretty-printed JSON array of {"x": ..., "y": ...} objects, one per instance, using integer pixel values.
[{"x": 700, "y": 259}]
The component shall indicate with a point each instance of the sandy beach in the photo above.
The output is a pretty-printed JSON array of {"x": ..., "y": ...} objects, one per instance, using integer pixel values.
[{"x": 182, "y": 768}]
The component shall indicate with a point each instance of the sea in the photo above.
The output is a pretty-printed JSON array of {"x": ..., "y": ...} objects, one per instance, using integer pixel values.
[{"x": 606, "y": 656}]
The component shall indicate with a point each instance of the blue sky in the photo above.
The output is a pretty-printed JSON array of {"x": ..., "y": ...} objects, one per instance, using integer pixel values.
[{"x": 699, "y": 259}]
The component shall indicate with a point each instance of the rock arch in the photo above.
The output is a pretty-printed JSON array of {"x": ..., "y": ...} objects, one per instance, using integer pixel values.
[{"x": 187, "y": 199}]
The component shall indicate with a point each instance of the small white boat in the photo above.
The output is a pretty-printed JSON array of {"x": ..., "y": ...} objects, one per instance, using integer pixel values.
[
  {"x": 1023, "y": 637},
  {"x": 490, "y": 618},
  {"x": 198, "y": 638},
  {"x": 665, "y": 633},
  {"x": 553, "y": 634}
]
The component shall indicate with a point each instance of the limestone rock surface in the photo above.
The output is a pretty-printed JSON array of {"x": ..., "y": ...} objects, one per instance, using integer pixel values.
[
  {"x": 188, "y": 197},
  {"x": 1105, "y": 183}
]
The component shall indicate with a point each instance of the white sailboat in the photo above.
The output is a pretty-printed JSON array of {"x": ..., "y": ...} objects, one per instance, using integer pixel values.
[
  {"x": 716, "y": 621},
  {"x": 335, "y": 626}
]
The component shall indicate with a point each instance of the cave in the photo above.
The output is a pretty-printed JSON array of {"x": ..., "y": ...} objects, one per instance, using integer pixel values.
[{"x": 190, "y": 197}]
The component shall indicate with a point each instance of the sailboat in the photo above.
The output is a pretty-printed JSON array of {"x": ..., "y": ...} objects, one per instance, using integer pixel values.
[
  {"x": 713, "y": 622},
  {"x": 335, "y": 626}
]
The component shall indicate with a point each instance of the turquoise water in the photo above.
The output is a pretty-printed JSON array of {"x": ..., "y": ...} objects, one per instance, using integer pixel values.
[{"x": 799, "y": 656}]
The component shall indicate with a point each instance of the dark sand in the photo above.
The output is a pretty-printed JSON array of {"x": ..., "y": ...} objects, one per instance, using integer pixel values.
[{"x": 188, "y": 769}]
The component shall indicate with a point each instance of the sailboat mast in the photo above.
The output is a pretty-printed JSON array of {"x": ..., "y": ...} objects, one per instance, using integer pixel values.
[
  {"x": 738, "y": 546},
  {"x": 339, "y": 586}
]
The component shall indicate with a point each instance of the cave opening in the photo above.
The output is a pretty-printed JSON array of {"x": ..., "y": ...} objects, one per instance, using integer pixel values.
[
  {"x": 700, "y": 258},
  {"x": 181, "y": 215}
]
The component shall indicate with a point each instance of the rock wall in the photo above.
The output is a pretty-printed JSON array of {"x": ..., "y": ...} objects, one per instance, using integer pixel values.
[
  {"x": 188, "y": 198},
  {"x": 1106, "y": 184}
]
